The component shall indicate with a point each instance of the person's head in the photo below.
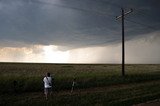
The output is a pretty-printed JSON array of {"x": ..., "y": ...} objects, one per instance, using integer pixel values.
[{"x": 48, "y": 74}]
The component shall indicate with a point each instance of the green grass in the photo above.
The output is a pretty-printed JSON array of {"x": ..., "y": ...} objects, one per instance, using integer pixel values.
[
  {"x": 141, "y": 83},
  {"x": 121, "y": 95}
]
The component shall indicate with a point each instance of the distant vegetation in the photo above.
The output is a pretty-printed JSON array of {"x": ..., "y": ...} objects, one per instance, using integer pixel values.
[{"x": 98, "y": 84}]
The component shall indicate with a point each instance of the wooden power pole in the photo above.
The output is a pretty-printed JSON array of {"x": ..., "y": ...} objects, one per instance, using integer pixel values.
[{"x": 122, "y": 16}]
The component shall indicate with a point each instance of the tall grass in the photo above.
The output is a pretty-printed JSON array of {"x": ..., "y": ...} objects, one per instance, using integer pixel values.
[
  {"x": 141, "y": 83},
  {"x": 29, "y": 76},
  {"x": 109, "y": 96}
]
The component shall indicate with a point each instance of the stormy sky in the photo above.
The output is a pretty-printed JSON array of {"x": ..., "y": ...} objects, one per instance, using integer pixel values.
[{"x": 78, "y": 31}]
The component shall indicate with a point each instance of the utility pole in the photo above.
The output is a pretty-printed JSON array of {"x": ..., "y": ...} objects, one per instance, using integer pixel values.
[{"x": 122, "y": 16}]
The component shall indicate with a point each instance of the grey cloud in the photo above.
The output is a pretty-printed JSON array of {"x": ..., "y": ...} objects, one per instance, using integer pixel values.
[{"x": 70, "y": 23}]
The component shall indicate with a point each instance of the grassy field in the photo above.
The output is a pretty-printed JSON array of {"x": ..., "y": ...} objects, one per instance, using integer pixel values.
[{"x": 98, "y": 84}]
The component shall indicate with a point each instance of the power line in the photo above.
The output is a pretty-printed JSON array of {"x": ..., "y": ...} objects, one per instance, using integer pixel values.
[
  {"x": 98, "y": 13},
  {"x": 146, "y": 16},
  {"x": 144, "y": 25},
  {"x": 136, "y": 10}
]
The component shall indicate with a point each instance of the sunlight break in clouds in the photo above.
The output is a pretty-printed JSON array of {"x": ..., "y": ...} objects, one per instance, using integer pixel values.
[
  {"x": 52, "y": 55},
  {"x": 37, "y": 53}
]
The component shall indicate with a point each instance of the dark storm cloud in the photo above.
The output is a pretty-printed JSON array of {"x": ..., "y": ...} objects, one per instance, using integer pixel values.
[{"x": 74, "y": 23}]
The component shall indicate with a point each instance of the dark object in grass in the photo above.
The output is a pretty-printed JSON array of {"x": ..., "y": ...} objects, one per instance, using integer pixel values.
[{"x": 74, "y": 85}]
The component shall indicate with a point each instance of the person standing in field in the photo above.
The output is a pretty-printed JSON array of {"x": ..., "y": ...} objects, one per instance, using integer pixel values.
[{"x": 47, "y": 85}]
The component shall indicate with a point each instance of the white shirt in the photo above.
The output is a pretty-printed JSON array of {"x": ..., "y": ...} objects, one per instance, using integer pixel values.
[{"x": 46, "y": 82}]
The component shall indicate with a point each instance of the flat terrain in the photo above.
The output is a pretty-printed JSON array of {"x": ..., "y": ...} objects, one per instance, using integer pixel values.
[{"x": 97, "y": 84}]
